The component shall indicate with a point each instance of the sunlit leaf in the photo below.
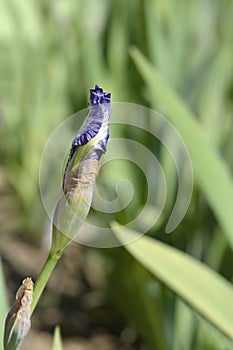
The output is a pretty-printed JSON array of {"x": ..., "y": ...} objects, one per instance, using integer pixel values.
[
  {"x": 202, "y": 288},
  {"x": 57, "y": 342}
]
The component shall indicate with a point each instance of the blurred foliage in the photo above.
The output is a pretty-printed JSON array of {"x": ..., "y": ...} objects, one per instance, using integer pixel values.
[{"x": 52, "y": 53}]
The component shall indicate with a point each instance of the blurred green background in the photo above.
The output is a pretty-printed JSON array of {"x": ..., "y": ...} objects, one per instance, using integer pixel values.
[{"x": 173, "y": 56}]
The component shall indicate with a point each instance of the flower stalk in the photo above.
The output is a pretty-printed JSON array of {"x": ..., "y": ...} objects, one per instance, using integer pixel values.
[{"x": 78, "y": 183}]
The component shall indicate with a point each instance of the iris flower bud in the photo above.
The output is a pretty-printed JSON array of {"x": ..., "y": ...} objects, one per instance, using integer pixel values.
[
  {"x": 81, "y": 171},
  {"x": 18, "y": 320}
]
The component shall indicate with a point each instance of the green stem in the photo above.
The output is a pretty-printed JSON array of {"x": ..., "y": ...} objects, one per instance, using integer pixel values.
[{"x": 42, "y": 279}]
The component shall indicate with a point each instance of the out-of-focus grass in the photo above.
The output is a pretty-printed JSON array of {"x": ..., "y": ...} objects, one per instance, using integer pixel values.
[
  {"x": 210, "y": 170},
  {"x": 52, "y": 53}
]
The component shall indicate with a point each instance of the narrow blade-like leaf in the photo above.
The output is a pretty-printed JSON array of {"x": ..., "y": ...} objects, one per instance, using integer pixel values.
[{"x": 202, "y": 288}]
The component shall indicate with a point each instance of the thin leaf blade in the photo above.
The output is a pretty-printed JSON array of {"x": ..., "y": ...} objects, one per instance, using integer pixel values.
[
  {"x": 57, "y": 342},
  {"x": 4, "y": 303},
  {"x": 202, "y": 288}
]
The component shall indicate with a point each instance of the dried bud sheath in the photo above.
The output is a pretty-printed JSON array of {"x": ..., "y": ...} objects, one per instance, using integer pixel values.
[
  {"x": 82, "y": 170},
  {"x": 18, "y": 320}
]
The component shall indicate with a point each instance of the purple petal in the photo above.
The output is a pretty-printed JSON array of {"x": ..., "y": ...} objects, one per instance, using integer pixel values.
[{"x": 98, "y": 96}]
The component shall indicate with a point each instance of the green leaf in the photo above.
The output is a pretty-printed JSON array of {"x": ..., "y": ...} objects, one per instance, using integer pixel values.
[
  {"x": 184, "y": 326},
  {"x": 57, "y": 343},
  {"x": 3, "y": 303},
  {"x": 202, "y": 288},
  {"x": 138, "y": 298},
  {"x": 210, "y": 169}
]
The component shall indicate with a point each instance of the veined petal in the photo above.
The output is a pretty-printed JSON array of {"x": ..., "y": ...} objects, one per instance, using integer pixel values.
[
  {"x": 82, "y": 170},
  {"x": 91, "y": 141}
]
